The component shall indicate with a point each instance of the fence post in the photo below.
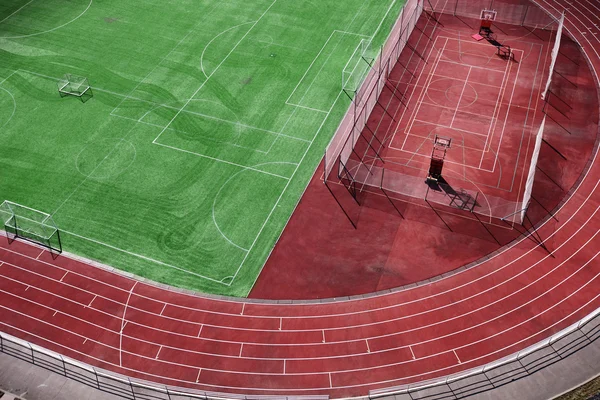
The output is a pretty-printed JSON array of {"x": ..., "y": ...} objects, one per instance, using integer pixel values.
[
  {"x": 32, "y": 355},
  {"x": 131, "y": 387},
  {"x": 64, "y": 365},
  {"x": 525, "y": 14},
  {"x": 97, "y": 379}
]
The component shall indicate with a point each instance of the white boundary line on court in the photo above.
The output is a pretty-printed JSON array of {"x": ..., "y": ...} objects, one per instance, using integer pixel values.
[
  {"x": 493, "y": 119},
  {"x": 496, "y": 113},
  {"x": 428, "y": 79}
]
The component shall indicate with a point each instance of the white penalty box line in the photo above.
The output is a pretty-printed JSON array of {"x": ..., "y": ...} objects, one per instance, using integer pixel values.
[
  {"x": 160, "y": 126},
  {"x": 215, "y": 70},
  {"x": 288, "y": 102}
]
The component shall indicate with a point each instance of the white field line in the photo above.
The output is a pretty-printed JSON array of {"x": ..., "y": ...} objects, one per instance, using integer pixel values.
[
  {"x": 140, "y": 256},
  {"x": 14, "y": 110},
  {"x": 214, "y": 38},
  {"x": 151, "y": 71},
  {"x": 284, "y": 189},
  {"x": 311, "y": 65},
  {"x": 215, "y": 70},
  {"x": 50, "y": 30},
  {"x": 121, "y": 140},
  {"x": 171, "y": 129},
  {"x": 301, "y": 159},
  {"x": 18, "y": 9},
  {"x": 190, "y": 112},
  {"x": 223, "y": 161},
  {"x": 308, "y": 69},
  {"x": 11, "y": 74}
]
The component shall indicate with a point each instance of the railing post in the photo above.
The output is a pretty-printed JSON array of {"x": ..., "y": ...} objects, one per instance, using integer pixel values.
[
  {"x": 131, "y": 387},
  {"x": 64, "y": 365},
  {"x": 97, "y": 379},
  {"x": 32, "y": 355}
]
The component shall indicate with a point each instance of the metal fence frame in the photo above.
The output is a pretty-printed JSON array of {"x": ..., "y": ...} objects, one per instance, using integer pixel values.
[{"x": 365, "y": 96}]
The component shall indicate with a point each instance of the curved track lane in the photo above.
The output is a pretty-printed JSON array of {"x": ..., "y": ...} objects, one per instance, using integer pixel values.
[{"x": 342, "y": 348}]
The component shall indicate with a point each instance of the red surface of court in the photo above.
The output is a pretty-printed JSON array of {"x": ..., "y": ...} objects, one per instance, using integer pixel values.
[
  {"x": 412, "y": 240},
  {"x": 515, "y": 298}
]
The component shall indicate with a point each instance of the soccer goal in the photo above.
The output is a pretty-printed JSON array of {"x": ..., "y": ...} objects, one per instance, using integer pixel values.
[
  {"x": 31, "y": 225},
  {"x": 73, "y": 85}
]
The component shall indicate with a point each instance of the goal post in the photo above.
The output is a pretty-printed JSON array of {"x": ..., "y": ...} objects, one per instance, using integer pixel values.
[
  {"x": 29, "y": 224},
  {"x": 74, "y": 85}
]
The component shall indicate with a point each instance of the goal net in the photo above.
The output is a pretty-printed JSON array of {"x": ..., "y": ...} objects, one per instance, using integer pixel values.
[
  {"x": 532, "y": 167},
  {"x": 555, "y": 51},
  {"x": 73, "y": 85},
  {"x": 363, "y": 78},
  {"x": 29, "y": 224}
]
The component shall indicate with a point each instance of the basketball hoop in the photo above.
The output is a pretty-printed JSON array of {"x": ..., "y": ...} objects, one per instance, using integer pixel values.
[{"x": 488, "y": 15}]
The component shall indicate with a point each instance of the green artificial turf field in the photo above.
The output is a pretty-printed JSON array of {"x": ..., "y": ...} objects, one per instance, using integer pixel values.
[{"x": 207, "y": 120}]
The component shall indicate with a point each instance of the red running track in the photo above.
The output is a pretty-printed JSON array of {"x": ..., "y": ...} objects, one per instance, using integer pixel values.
[{"x": 518, "y": 297}]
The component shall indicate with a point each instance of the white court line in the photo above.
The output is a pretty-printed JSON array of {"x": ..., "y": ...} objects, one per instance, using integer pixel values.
[
  {"x": 428, "y": 80},
  {"x": 215, "y": 70},
  {"x": 459, "y": 98},
  {"x": 523, "y": 176},
  {"x": 492, "y": 128},
  {"x": 410, "y": 84}
]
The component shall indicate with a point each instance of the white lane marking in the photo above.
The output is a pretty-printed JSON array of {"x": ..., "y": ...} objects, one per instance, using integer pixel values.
[{"x": 123, "y": 323}]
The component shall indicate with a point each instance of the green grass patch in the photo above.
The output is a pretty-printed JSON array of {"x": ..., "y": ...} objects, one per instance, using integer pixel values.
[{"x": 200, "y": 137}]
